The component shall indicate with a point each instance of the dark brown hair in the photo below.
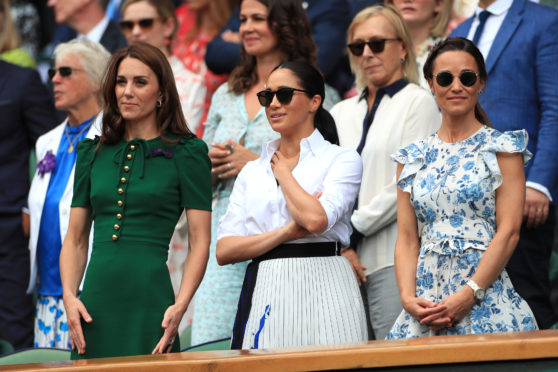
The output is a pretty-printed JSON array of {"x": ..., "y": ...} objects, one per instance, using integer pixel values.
[
  {"x": 312, "y": 81},
  {"x": 459, "y": 44},
  {"x": 288, "y": 20},
  {"x": 170, "y": 118}
]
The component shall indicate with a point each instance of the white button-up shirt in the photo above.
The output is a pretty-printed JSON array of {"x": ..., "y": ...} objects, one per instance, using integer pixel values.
[{"x": 257, "y": 204}]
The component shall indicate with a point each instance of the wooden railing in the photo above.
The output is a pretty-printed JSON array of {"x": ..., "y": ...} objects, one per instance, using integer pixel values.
[{"x": 434, "y": 351}]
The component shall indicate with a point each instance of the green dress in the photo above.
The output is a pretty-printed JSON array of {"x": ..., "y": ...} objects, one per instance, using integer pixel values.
[{"x": 136, "y": 191}]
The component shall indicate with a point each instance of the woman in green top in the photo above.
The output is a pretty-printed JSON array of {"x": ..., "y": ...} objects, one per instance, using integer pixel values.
[{"x": 133, "y": 183}]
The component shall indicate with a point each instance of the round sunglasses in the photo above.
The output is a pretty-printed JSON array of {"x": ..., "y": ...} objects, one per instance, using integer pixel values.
[
  {"x": 145, "y": 24},
  {"x": 375, "y": 45},
  {"x": 284, "y": 95},
  {"x": 467, "y": 77},
  {"x": 64, "y": 71}
]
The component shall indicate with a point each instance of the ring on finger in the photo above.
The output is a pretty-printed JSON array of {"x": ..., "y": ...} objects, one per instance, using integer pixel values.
[
  {"x": 229, "y": 165},
  {"x": 171, "y": 341},
  {"x": 539, "y": 210}
]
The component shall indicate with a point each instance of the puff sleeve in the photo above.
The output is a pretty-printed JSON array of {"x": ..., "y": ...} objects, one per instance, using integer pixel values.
[
  {"x": 509, "y": 142},
  {"x": 194, "y": 173},
  {"x": 413, "y": 156},
  {"x": 82, "y": 178}
]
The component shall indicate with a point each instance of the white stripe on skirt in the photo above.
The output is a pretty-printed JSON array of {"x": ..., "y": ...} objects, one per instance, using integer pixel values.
[{"x": 305, "y": 301}]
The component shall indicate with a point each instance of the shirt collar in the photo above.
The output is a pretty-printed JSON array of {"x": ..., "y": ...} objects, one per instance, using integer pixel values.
[
  {"x": 309, "y": 144},
  {"x": 97, "y": 32},
  {"x": 496, "y": 8},
  {"x": 390, "y": 90}
]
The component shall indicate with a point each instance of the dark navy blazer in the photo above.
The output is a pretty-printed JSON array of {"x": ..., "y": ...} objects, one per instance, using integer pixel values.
[{"x": 26, "y": 112}]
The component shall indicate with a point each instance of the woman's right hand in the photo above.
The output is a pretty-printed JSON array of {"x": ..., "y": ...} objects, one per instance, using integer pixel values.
[
  {"x": 358, "y": 267},
  {"x": 421, "y": 308},
  {"x": 75, "y": 311}
]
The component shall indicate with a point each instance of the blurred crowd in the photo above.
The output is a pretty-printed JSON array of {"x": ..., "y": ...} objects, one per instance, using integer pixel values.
[{"x": 382, "y": 95}]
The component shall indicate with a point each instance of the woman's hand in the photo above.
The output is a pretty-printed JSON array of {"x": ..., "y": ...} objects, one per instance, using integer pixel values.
[
  {"x": 170, "y": 323},
  {"x": 281, "y": 165},
  {"x": 358, "y": 267},
  {"x": 228, "y": 158},
  {"x": 422, "y": 309},
  {"x": 535, "y": 211},
  {"x": 458, "y": 305},
  {"x": 25, "y": 223},
  {"x": 75, "y": 311}
]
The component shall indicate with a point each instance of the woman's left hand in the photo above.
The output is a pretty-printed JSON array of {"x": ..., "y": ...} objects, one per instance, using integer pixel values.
[
  {"x": 458, "y": 305},
  {"x": 170, "y": 323},
  {"x": 229, "y": 159}
]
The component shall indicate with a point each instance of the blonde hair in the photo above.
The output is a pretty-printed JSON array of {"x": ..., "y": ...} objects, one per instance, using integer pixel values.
[
  {"x": 9, "y": 34},
  {"x": 397, "y": 22},
  {"x": 439, "y": 25}
]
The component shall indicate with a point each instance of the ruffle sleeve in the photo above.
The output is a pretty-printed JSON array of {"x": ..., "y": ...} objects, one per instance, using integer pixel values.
[
  {"x": 194, "y": 173},
  {"x": 413, "y": 156},
  {"x": 509, "y": 142},
  {"x": 82, "y": 177}
]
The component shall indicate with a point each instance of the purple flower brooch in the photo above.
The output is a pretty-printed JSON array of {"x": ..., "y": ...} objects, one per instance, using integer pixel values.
[
  {"x": 47, "y": 164},
  {"x": 160, "y": 152}
]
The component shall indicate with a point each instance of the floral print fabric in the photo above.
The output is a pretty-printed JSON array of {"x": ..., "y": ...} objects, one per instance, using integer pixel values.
[
  {"x": 51, "y": 325},
  {"x": 452, "y": 187}
]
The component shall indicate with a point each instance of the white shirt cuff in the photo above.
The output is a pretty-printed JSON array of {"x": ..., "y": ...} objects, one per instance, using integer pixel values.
[{"x": 539, "y": 187}]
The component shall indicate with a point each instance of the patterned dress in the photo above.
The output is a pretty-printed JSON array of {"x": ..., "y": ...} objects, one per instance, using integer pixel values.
[{"x": 452, "y": 187}]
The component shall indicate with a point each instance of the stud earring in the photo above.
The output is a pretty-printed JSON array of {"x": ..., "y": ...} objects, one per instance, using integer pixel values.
[{"x": 159, "y": 103}]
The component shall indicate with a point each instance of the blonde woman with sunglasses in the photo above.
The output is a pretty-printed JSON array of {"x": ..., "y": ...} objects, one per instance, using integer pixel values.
[
  {"x": 391, "y": 111},
  {"x": 460, "y": 206}
]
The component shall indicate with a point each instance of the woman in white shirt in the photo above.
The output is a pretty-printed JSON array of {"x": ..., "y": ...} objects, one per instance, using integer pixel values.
[
  {"x": 289, "y": 212},
  {"x": 391, "y": 112}
]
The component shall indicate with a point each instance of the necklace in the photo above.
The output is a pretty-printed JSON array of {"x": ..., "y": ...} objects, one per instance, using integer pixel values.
[{"x": 71, "y": 143}]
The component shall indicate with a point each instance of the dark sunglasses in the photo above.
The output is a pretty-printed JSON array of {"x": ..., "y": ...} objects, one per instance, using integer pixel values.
[
  {"x": 144, "y": 23},
  {"x": 375, "y": 45},
  {"x": 284, "y": 95},
  {"x": 467, "y": 77},
  {"x": 64, "y": 71}
]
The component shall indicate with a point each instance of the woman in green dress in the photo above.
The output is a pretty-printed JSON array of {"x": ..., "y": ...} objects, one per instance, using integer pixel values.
[{"x": 133, "y": 182}]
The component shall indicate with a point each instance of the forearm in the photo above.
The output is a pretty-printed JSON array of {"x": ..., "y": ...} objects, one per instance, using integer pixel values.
[
  {"x": 406, "y": 258},
  {"x": 73, "y": 259},
  {"x": 74, "y": 253},
  {"x": 496, "y": 257},
  {"x": 231, "y": 249},
  {"x": 304, "y": 208},
  {"x": 194, "y": 270}
]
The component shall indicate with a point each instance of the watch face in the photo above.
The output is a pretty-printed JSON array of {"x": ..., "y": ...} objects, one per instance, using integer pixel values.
[{"x": 479, "y": 294}]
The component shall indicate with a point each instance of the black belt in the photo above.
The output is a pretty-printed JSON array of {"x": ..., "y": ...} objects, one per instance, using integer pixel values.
[{"x": 319, "y": 249}]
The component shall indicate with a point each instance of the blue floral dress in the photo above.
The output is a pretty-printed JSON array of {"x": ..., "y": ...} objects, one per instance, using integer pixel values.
[{"x": 452, "y": 187}]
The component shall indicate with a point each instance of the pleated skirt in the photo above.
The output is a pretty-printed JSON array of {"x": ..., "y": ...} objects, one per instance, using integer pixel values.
[{"x": 290, "y": 302}]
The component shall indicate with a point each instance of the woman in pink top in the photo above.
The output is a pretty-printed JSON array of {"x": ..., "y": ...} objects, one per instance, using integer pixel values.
[{"x": 199, "y": 22}]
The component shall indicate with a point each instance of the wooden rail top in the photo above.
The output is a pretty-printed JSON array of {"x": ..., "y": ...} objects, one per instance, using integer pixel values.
[{"x": 394, "y": 353}]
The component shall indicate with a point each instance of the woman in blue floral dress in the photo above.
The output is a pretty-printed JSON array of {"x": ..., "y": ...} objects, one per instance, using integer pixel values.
[{"x": 460, "y": 207}]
